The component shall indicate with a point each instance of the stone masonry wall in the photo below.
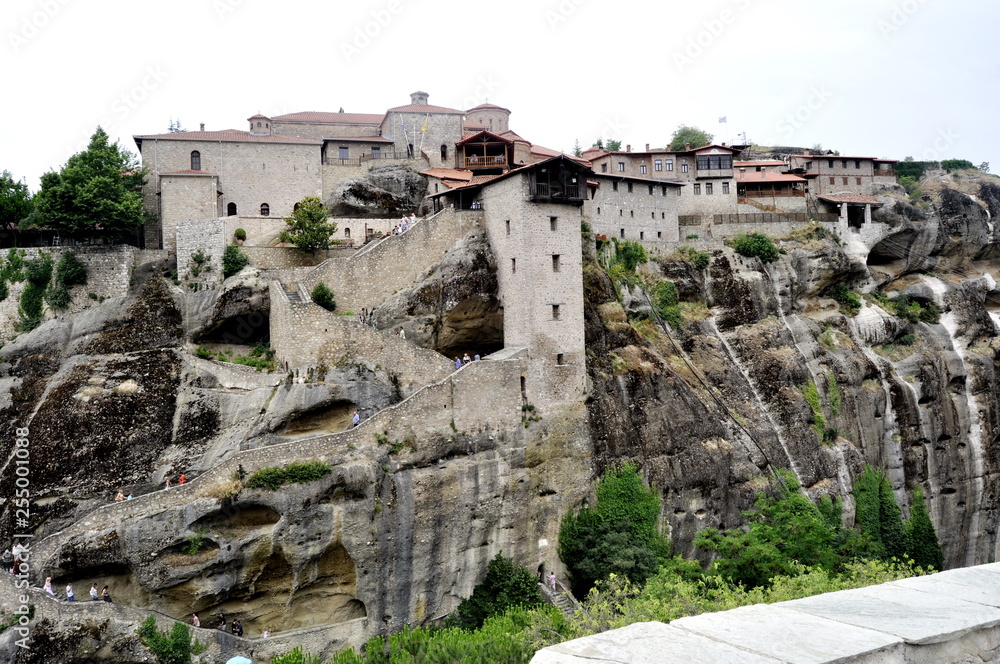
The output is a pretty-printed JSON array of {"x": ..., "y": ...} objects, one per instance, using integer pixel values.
[
  {"x": 369, "y": 277},
  {"x": 200, "y": 235},
  {"x": 637, "y": 215},
  {"x": 109, "y": 273},
  {"x": 288, "y": 257},
  {"x": 304, "y": 336}
]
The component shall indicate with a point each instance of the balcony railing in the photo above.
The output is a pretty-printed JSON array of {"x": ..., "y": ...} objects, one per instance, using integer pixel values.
[
  {"x": 357, "y": 161},
  {"x": 771, "y": 193},
  {"x": 486, "y": 162},
  {"x": 564, "y": 192}
]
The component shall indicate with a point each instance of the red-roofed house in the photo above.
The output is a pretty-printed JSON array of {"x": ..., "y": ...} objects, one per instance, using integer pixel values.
[{"x": 832, "y": 174}]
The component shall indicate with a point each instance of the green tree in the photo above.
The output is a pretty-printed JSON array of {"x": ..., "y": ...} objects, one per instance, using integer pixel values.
[
  {"x": 957, "y": 165},
  {"x": 892, "y": 533},
  {"x": 506, "y": 585},
  {"x": 613, "y": 145},
  {"x": 629, "y": 253},
  {"x": 309, "y": 227},
  {"x": 618, "y": 536},
  {"x": 684, "y": 135},
  {"x": 323, "y": 296},
  {"x": 922, "y": 543},
  {"x": 15, "y": 201},
  {"x": 877, "y": 516},
  {"x": 98, "y": 190},
  {"x": 233, "y": 260},
  {"x": 577, "y": 148},
  {"x": 756, "y": 244}
]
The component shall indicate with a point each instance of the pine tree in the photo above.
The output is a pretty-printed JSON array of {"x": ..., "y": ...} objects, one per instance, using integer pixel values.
[
  {"x": 922, "y": 543},
  {"x": 866, "y": 516},
  {"x": 891, "y": 530}
]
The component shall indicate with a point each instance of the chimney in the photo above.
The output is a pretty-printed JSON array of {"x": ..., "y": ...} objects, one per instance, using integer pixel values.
[
  {"x": 202, "y": 127},
  {"x": 723, "y": 144},
  {"x": 805, "y": 151},
  {"x": 687, "y": 147},
  {"x": 647, "y": 147},
  {"x": 628, "y": 148}
]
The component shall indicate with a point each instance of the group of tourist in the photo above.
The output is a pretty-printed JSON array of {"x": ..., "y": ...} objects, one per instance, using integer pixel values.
[
  {"x": 180, "y": 480},
  {"x": 366, "y": 317},
  {"x": 235, "y": 628},
  {"x": 122, "y": 497},
  {"x": 404, "y": 225},
  {"x": 12, "y": 558},
  {"x": 103, "y": 595},
  {"x": 462, "y": 361}
]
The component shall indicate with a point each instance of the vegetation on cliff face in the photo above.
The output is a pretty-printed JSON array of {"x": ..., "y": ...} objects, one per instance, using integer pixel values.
[{"x": 507, "y": 584}]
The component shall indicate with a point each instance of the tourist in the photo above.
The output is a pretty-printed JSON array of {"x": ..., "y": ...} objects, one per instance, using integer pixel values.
[
  {"x": 168, "y": 482},
  {"x": 237, "y": 628},
  {"x": 475, "y": 358},
  {"x": 48, "y": 587},
  {"x": 128, "y": 497},
  {"x": 182, "y": 479},
  {"x": 94, "y": 593},
  {"x": 552, "y": 580},
  {"x": 458, "y": 363},
  {"x": 194, "y": 620},
  {"x": 70, "y": 597},
  {"x": 7, "y": 559},
  {"x": 355, "y": 419},
  {"x": 466, "y": 359},
  {"x": 119, "y": 497},
  {"x": 105, "y": 594},
  {"x": 266, "y": 633},
  {"x": 402, "y": 333},
  {"x": 374, "y": 323}
]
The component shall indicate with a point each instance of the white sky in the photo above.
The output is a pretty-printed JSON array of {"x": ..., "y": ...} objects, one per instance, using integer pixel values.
[{"x": 886, "y": 78}]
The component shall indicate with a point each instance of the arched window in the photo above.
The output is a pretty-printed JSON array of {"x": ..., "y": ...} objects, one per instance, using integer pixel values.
[
  {"x": 195, "y": 160},
  {"x": 409, "y": 150},
  {"x": 295, "y": 207},
  {"x": 347, "y": 232},
  {"x": 231, "y": 209},
  {"x": 258, "y": 124},
  {"x": 444, "y": 152},
  {"x": 265, "y": 210}
]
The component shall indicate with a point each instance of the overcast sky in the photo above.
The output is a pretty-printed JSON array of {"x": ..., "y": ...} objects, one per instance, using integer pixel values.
[{"x": 865, "y": 77}]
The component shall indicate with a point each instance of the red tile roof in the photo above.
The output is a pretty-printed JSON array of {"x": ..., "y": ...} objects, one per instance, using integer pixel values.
[
  {"x": 834, "y": 157},
  {"x": 513, "y": 136},
  {"x": 750, "y": 177},
  {"x": 849, "y": 198},
  {"x": 364, "y": 139},
  {"x": 188, "y": 172},
  {"x": 762, "y": 162},
  {"x": 485, "y": 134},
  {"x": 487, "y": 107},
  {"x": 258, "y": 115},
  {"x": 228, "y": 135},
  {"x": 318, "y": 117},
  {"x": 448, "y": 174},
  {"x": 424, "y": 108},
  {"x": 481, "y": 179}
]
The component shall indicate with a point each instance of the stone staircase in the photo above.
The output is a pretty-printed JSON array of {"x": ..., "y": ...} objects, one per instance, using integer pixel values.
[{"x": 561, "y": 598}]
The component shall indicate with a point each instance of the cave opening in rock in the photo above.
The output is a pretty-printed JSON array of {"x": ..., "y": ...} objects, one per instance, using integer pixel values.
[
  {"x": 892, "y": 251},
  {"x": 329, "y": 418},
  {"x": 243, "y": 330}
]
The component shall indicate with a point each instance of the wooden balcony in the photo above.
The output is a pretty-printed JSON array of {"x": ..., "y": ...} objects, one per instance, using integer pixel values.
[
  {"x": 771, "y": 193},
  {"x": 571, "y": 192},
  {"x": 499, "y": 161}
]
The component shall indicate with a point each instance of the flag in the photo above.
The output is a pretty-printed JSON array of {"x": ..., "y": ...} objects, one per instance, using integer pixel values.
[
  {"x": 424, "y": 128},
  {"x": 722, "y": 119}
]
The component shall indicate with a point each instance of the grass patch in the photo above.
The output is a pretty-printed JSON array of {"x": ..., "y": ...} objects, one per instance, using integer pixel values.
[{"x": 274, "y": 477}]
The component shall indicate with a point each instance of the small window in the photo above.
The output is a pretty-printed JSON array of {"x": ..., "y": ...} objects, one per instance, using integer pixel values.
[
  {"x": 829, "y": 163},
  {"x": 409, "y": 150},
  {"x": 663, "y": 215},
  {"x": 857, "y": 163},
  {"x": 598, "y": 209},
  {"x": 684, "y": 167},
  {"x": 436, "y": 185},
  {"x": 642, "y": 235},
  {"x": 265, "y": 210},
  {"x": 833, "y": 180},
  {"x": 604, "y": 167},
  {"x": 513, "y": 265},
  {"x": 843, "y": 163},
  {"x": 555, "y": 262},
  {"x": 231, "y": 209},
  {"x": 630, "y": 187},
  {"x": 678, "y": 190},
  {"x": 652, "y": 215},
  {"x": 621, "y": 166},
  {"x": 708, "y": 188},
  {"x": 857, "y": 181},
  {"x": 376, "y": 152},
  {"x": 195, "y": 161},
  {"x": 670, "y": 164},
  {"x": 444, "y": 152},
  {"x": 658, "y": 165},
  {"x": 559, "y": 359},
  {"x": 614, "y": 186},
  {"x": 659, "y": 234},
  {"x": 642, "y": 168},
  {"x": 725, "y": 187},
  {"x": 845, "y": 180},
  {"x": 555, "y": 312},
  {"x": 507, "y": 224},
  {"x": 621, "y": 213},
  {"x": 258, "y": 124},
  {"x": 650, "y": 190},
  {"x": 621, "y": 233},
  {"x": 344, "y": 152},
  {"x": 697, "y": 189},
  {"x": 631, "y": 213},
  {"x": 347, "y": 233},
  {"x": 552, "y": 223}
]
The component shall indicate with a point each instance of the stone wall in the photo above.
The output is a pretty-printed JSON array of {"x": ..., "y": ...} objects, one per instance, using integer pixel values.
[
  {"x": 540, "y": 278},
  {"x": 109, "y": 273},
  {"x": 639, "y": 214},
  {"x": 264, "y": 231},
  {"x": 372, "y": 275},
  {"x": 184, "y": 197},
  {"x": 442, "y": 129},
  {"x": 951, "y": 616},
  {"x": 289, "y": 257},
  {"x": 206, "y": 236},
  {"x": 306, "y": 336}
]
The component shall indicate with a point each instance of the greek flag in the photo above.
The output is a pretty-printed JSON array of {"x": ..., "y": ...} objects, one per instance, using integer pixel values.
[{"x": 722, "y": 119}]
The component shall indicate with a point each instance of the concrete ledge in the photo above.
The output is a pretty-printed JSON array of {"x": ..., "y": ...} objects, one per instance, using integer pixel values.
[{"x": 952, "y": 616}]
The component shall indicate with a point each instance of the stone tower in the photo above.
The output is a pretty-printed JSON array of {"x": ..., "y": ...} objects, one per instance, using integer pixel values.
[
  {"x": 493, "y": 118},
  {"x": 260, "y": 125},
  {"x": 418, "y": 97}
]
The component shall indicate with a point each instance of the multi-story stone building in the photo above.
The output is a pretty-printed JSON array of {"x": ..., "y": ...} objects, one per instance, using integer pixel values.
[{"x": 835, "y": 174}]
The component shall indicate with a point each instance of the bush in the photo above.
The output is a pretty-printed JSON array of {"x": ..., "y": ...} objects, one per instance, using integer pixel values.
[
  {"x": 630, "y": 254},
  {"x": 173, "y": 647},
  {"x": 907, "y": 340},
  {"x": 58, "y": 297},
  {"x": 240, "y": 234},
  {"x": 30, "y": 307},
  {"x": 957, "y": 165},
  {"x": 295, "y": 656},
  {"x": 323, "y": 296},
  {"x": 848, "y": 299},
  {"x": 756, "y": 245},
  {"x": 273, "y": 477},
  {"x": 233, "y": 260},
  {"x": 194, "y": 542},
  {"x": 205, "y": 353},
  {"x": 70, "y": 271},
  {"x": 506, "y": 585}
]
